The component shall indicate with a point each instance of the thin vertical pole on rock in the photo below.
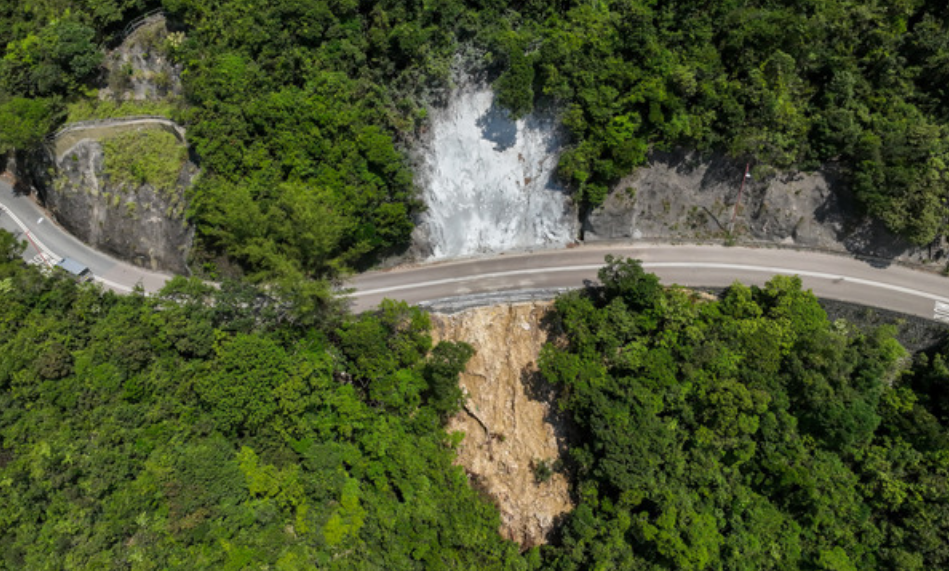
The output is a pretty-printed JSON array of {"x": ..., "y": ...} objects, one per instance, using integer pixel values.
[{"x": 731, "y": 226}]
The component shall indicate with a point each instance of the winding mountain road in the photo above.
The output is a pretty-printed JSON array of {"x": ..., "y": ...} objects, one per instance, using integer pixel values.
[
  {"x": 893, "y": 287},
  {"x": 838, "y": 277},
  {"x": 48, "y": 242}
]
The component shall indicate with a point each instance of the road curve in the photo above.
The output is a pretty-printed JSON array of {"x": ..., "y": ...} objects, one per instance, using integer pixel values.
[
  {"x": 72, "y": 133},
  {"x": 839, "y": 277},
  {"x": 20, "y": 215}
]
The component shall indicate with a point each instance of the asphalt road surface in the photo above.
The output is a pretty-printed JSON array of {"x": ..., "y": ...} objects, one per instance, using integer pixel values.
[
  {"x": 892, "y": 287},
  {"x": 48, "y": 242}
]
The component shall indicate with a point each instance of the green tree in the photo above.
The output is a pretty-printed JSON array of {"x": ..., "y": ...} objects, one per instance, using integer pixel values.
[
  {"x": 61, "y": 57},
  {"x": 24, "y": 122}
]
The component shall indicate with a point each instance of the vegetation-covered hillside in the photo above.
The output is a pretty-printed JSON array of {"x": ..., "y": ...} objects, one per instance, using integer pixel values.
[
  {"x": 215, "y": 429},
  {"x": 297, "y": 109},
  {"x": 256, "y": 427},
  {"x": 748, "y": 433},
  {"x": 206, "y": 429}
]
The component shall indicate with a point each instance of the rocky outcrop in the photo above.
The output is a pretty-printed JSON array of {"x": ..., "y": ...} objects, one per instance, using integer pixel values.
[
  {"x": 118, "y": 182},
  {"x": 135, "y": 222},
  {"x": 140, "y": 68},
  {"x": 685, "y": 196},
  {"x": 513, "y": 434}
]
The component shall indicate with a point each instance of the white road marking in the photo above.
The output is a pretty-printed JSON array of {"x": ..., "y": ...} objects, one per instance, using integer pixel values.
[
  {"x": 479, "y": 276},
  {"x": 54, "y": 259},
  {"x": 941, "y": 310},
  {"x": 23, "y": 227},
  {"x": 112, "y": 284},
  {"x": 647, "y": 265}
]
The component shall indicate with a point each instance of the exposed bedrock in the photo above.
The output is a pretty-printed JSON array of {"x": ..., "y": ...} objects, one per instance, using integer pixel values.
[
  {"x": 140, "y": 68},
  {"x": 140, "y": 222},
  {"x": 685, "y": 196},
  {"x": 118, "y": 183},
  {"x": 489, "y": 185}
]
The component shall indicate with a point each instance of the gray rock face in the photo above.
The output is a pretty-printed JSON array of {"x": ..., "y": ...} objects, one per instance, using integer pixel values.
[
  {"x": 140, "y": 69},
  {"x": 684, "y": 196},
  {"x": 615, "y": 219},
  {"x": 801, "y": 208},
  {"x": 137, "y": 224},
  {"x": 674, "y": 196}
]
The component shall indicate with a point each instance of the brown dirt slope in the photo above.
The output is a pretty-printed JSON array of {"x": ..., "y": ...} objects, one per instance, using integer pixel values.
[{"x": 509, "y": 424}]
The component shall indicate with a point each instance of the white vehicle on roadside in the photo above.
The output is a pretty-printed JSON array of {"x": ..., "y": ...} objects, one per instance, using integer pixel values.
[{"x": 81, "y": 272}]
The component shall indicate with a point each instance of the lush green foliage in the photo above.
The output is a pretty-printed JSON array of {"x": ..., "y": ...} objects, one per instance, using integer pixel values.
[
  {"x": 209, "y": 429},
  {"x": 295, "y": 110},
  {"x": 24, "y": 122},
  {"x": 784, "y": 83},
  {"x": 779, "y": 82},
  {"x": 202, "y": 429},
  {"x": 50, "y": 50},
  {"x": 86, "y": 109},
  {"x": 149, "y": 156},
  {"x": 747, "y": 433},
  {"x": 58, "y": 59},
  {"x": 314, "y": 97}
]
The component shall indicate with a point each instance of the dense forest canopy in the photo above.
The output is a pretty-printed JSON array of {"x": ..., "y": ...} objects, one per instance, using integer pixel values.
[
  {"x": 208, "y": 428},
  {"x": 299, "y": 110},
  {"x": 205, "y": 428},
  {"x": 747, "y": 433},
  {"x": 261, "y": 426}
]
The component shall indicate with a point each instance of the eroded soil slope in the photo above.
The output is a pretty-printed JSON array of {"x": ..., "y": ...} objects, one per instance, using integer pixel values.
[{"x": 511, "y": 429}]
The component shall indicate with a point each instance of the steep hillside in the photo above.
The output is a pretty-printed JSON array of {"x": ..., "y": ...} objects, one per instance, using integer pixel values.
[{"x": 514, "y": 437}]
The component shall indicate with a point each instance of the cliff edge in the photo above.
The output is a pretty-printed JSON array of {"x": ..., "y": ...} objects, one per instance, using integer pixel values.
[{"x": 122, "y": 190}]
